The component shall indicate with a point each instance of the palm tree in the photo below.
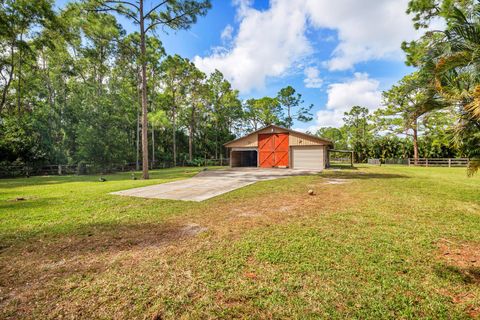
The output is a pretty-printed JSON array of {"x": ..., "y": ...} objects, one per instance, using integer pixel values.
[{"x": 456, "y": 72}]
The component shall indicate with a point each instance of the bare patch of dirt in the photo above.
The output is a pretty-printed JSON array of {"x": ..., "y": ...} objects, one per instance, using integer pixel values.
[
  {"x": 337, "y": 181},
  {"x": 465, "y": 299},
  {"x": 464, "y": 259},
  {"x": 27, "y": 270},
  {"x": 285, "y": 208},
  {"x": 251, "y": 275},
  {"x": 246, "y": 213},
  {"x": 192, "y": 229},
  {"x": 474, "y": 312},
  {"x": 462, "y": 255}
]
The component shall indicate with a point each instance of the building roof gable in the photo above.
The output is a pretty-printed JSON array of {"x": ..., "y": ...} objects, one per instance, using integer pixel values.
[{"x": 280, "y": 128}]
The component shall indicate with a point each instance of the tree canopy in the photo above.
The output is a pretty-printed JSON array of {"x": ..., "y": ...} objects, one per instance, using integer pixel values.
[
  {"x": 72, "y": 89},
  {"x": 75, "y": 87}
]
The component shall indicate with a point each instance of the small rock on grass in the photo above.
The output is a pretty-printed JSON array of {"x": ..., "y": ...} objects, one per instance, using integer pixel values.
[
  {"x": 311, "y": 192},
  {"x": 250, "y": 275},
  {"x": 157, "y": 316}
]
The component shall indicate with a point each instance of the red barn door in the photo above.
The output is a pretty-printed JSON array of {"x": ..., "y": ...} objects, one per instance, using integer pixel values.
[
  {"x": 273, "y": 150},
  {"x": 281, "y": 150},
  {"x": 265, "y": 150}
]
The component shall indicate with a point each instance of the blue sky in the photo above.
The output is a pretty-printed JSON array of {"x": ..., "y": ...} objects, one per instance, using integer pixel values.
[{"x": 335, "y": 53}]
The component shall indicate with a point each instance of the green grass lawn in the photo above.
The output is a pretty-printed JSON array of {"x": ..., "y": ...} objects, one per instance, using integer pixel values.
[{"x": 386, "y": 242}]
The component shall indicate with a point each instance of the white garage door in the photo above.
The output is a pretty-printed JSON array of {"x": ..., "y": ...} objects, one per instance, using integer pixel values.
[{"x": 308, "y": 157}]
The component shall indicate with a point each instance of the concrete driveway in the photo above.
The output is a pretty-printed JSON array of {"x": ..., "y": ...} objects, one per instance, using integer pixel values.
[{"x": 211, "y": 183}]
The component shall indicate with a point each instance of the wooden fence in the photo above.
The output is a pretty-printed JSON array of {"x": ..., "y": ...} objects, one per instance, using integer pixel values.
[
  {"x": 396, "y": 161},
  {"x": 91, "y": 168},
  {"x": 439, "y": 162},
  {"x": 423, "y": 162},
  {"x": 340, "y": 162}
]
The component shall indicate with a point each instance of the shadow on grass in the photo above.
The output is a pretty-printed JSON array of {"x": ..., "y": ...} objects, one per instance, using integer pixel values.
[
  {"x": 342, "y": 167},
  {"x": 49, "y": 270},
  {"x": 467, "y": 275},
  {"x": 112, "y": 238},
  {"x": 124, "y": 176},
  {"x": 360, "y": 175},
  {"x": 19, "y": 203},
  {"x": 90, "y": 247}
]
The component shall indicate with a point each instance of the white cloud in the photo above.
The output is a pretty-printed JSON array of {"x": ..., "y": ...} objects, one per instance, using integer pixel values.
[
  {"x": 327, "y": 118},
  {"x": 312, "y": 78},
  {"x": 266, "y": 44},
  {"x": 227, "y": 33},
  {"x": 367, "y": 29},
  {"x": 269, "y": 42},
  {"x": 359, "y": 91}
]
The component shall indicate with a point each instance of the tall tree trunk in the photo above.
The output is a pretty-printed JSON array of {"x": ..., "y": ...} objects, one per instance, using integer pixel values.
[
  {"x": 153, "y": 145},
  {"x": 46, "y": 70},
  {"x": 404, "y": 150},
  {"x": 415, "y": 142},
  {"x": 137, "y": 165},
  {"x": 216, "y": 139},
  {"x": 190, "y": 134},
  {"x": 190, "y": 143},
  {"x": 144, "y": 95},
  {"x": 139, "y": 107},
  {"x": 174, "y": 137},
  {"x": 10, "y": 78},
  {"x": 289, "y": 124},
  {"x": 19, "y": 77}
]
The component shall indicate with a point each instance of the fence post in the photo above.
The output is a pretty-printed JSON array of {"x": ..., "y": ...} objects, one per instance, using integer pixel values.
[
  {"x": 426, "y": 162},
  {"x": 449, "y": 162},
  {"x": 59, "y": 169},
  {"x": 409, "y": 162}
]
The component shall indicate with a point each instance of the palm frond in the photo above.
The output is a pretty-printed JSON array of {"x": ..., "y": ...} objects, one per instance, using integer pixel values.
[
  {"x": 473, "y": 108},
  {"x": 473, "y": 167}
]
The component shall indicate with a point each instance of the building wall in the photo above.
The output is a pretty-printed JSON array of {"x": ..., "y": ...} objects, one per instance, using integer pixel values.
[
  {"x": 246, "y": 142},
  {"x": 304, "y": 140}
]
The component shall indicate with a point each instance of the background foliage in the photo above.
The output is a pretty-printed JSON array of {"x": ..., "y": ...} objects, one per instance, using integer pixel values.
[{"x": 70, "y": 93}]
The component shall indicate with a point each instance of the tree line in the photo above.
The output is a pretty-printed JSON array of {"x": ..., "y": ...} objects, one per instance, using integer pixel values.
[
  {"x": 381, "y": 135},
  {"x": 434, "y": 111},
  {"x": 75, "y": 87}
]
